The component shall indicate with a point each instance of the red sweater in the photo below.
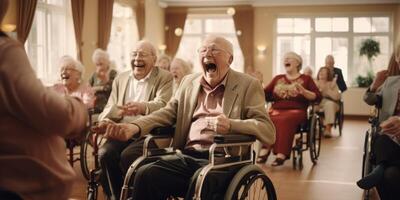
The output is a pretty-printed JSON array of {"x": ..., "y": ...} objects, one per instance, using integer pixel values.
[{"x": 283, "y": 93}]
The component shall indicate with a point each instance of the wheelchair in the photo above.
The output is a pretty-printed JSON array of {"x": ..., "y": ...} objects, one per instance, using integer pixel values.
[
  {"x": 308, "y": 137},
  {"x": 368, "y": 161},
  {"x": 248, "y": 182},
  {"x": 339, "y": 117},
  {"x": 88, "y": 146}
]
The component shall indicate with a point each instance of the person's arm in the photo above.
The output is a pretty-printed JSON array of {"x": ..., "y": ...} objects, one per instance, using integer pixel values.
[
  {"x": 256, "y": 120},
  {"x": 269, "y": 89},
  {"x": 27, "y": 100},
  {"x": 340, "y": 81},
  {"x": 333, "y": 92},
  {"x": 310, "y": 91},
  {"x": 372, "y": 95},
  {"x": 163, "y": 94}
]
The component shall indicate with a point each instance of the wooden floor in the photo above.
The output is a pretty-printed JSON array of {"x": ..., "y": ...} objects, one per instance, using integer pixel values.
[{"x": 333, "y": 178}]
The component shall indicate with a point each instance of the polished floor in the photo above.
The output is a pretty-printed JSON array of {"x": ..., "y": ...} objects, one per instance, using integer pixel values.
[{"x": 332, "y": 178}]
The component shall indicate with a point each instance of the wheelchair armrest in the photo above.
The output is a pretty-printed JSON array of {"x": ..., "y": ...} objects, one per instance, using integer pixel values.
[
  {"x": 234, "y": 138},
  {"x": 162, "y": 132}
]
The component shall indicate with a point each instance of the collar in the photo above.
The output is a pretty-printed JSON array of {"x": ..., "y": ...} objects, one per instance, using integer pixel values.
[
  {"x": 207, "y": 86},
  {"x": 146, "y": 78}
]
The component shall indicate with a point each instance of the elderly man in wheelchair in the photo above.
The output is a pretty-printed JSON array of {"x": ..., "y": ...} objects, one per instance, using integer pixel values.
[{"x": 218, "y": 100}]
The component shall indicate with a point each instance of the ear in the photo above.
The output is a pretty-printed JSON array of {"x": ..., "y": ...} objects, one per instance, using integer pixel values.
[
  {"x": 155, "y": 59},
  {"x": 230, "y": 60}
]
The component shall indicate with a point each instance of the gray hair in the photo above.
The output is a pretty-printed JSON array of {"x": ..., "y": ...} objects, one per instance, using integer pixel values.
[
  {"x": 186, "y": 66},
  {"x": 70, "y": 61},
  {"x": 153, "y": 50},
  {"x": 100, "y": 54},
  {"x": 295, "y": 56}
]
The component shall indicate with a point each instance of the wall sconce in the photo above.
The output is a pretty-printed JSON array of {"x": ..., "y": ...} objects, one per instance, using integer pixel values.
[
  {"x": 8, "y": 28},
  {"x": 261, "y": 49},
  {"x": 178, "y": 32},
  {"x": 231, "y": 11},
  {"x": 162, "y": 48}
]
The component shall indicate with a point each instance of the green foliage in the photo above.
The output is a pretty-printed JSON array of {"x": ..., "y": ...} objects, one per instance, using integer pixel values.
[
  {"x": 370, "y": 48},
  {"x": 365, "y": 81}
]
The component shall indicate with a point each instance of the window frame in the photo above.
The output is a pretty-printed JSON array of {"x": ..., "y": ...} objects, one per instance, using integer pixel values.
[{"x": 350, "y": 35}]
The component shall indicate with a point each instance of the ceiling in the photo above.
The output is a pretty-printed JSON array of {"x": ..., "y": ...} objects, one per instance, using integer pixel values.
[{"x": 166, "y": 3}]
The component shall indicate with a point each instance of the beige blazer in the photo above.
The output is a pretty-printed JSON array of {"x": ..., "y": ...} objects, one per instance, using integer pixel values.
[
  {"x": 160, "y": 91},
  {"x": 33, "y": 122},
  {"x": 243, "y": 103}
]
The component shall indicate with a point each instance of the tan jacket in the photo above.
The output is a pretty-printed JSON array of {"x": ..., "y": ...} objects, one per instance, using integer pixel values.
[
  {"x": 160, "y": 91},
  {"x": 243, "y": 103},
  {"x": 33, "y": 122}
]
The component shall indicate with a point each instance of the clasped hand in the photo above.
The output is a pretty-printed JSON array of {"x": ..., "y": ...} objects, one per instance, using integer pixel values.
[
  {"x": 116, "y": 131},
  {"x": 132, "y": 109}
]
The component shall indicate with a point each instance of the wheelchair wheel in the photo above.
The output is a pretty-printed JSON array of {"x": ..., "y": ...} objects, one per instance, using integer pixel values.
[
  {"x": 89, "y": 153},
  {"x": 250, "y": 182},
  {"x": 366, "y": 162},
  {"x": 314, "y": 138}
]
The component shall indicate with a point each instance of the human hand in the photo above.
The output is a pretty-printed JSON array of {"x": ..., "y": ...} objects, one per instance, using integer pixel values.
[
  {"x": 101, "y": 127},
  {"x": 121, "y": 131},
  {"x": 391, "y": 126},
  {"x": 220, "y": 124},
  {"x": 379, "y": 80},
  {"x": 300, "y": 89},
  {"x": 132, "y": 108}
]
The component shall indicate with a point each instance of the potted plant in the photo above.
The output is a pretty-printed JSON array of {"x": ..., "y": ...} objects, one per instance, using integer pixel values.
[{"x": 369, "y": 48}]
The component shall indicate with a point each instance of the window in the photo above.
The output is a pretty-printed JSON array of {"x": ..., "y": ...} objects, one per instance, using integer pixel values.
[
  {"x": 50, "y": 38},
  {"x": 314, "y": 37},
  {"x": 123, "y": 36},
  {"x": 198, "y": 26}
]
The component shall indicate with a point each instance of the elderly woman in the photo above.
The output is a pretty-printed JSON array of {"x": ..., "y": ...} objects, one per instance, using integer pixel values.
[
  {"x": 101, "y": 80},
  {"x": 71, "y": 81},
  {"x": 164, "y": 62},
  {"x": 385, "y": 90},
  {"x": 330, "y": 98},
  {"x": 179, "y": 69},
  {"x": 290, "y": 94}
]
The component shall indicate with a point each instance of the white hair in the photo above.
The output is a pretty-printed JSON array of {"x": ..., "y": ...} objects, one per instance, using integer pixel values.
[
  {"x": 295, "y": 56},
  {"x": 70, "y": 61},
  {"x": 186, "y": 66},
  {"x": 100, "y": 54}
]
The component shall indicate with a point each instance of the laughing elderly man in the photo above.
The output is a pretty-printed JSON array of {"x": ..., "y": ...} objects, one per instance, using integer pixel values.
[
  {"x": 143, "y": 90},
  {"x": 234, "y": 100}
]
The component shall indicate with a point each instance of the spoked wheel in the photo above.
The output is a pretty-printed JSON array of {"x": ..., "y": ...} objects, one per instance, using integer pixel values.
[
  {"x": 89, "y": 153},
  {"x": 250, "y": 182},
  {"x": 314, "y": 138}
]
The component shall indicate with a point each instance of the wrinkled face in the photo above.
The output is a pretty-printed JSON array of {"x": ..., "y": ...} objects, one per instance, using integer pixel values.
[
  {"x": 329, "y": 61},
  {"x": 143, "y": 60},
  {"x": 215, "y": 60},
  {"x": 69, "y": 74},
  {"x": 101, "y": 67},
  {"x": 291, "y": 64},
  {"x": 177, "y": 71},
  {"x": 164, "y": 64},
  {"x": 323, "y": 74}
]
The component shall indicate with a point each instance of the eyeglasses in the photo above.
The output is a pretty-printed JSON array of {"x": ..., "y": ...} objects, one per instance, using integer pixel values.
[
  {"x": 214, "y": 51},
  {"x": 69, "y": 68},
  {"x": 140, "y": 54}
]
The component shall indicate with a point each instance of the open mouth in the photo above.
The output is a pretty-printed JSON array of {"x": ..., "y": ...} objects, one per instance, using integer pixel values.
[
  {"x": 65, "y": 76},
  {"x": 287, "y": 64},
  {"x": 140, "y": 65},
  {"x": 211, "y": 67}
]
